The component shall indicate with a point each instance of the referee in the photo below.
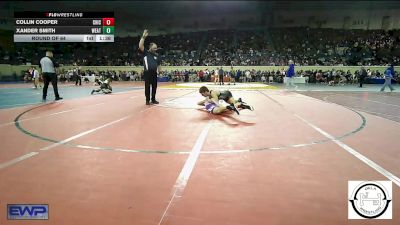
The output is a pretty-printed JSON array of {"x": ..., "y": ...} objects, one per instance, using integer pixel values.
[
  {"x": 152, "y": 67},
  {"x": 49, "y": 75},
  {"x": 221, "y": 76},
  {"x": 363, "y": 75}
]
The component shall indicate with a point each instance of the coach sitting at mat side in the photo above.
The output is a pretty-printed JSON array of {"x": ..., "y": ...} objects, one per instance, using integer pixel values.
[{"x": 152, "y": 66}]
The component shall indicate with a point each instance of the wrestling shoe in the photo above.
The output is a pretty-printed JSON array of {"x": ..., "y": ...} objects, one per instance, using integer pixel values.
[
  {"x": 245, "y": 106},
  {"x": 241, "y": 101},
  {"x": 232, "y": 108}
]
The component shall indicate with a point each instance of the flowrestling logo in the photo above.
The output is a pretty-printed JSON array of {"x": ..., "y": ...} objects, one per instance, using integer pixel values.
[
  {"x": 28, "y": 211},
  {"x": 370, "y": 200}
]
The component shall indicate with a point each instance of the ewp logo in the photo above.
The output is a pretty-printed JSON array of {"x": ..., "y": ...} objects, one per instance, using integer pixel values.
[{"x": 28, "y": 212}]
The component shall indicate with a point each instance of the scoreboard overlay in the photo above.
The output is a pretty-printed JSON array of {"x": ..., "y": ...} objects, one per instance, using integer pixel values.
[{"x": 64, "y": 26}]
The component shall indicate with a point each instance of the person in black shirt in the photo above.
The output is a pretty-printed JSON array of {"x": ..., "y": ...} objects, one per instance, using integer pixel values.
[
  {"x": 78, "y": 77},
  {"x": 363, "y": 75},
  {"x": 221, "y": 76},
  {"x": 152, "y": 66}
]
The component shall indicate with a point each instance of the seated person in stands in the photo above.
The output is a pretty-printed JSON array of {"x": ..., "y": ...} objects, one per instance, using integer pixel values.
[{"x": 319, "y": 78}]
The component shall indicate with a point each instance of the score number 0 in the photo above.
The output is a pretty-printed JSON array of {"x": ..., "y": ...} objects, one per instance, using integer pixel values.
[{"x": 108, "y": 21}]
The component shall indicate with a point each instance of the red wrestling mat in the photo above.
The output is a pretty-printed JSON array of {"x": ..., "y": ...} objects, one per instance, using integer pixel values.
[{"x": 110, "y": 159}]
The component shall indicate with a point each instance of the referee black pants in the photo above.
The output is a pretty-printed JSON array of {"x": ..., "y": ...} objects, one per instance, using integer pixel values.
[
  {"x": 78, "y": 79},
  {"x": 47, "y": 78},
  {"x": 361, "y": 81},
  {"x": 150, "y": 78}
]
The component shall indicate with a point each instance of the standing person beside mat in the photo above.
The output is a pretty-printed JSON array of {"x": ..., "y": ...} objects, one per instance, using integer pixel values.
[
  {"x": 78, "y": 76},
  {"x": 152, "y": 66},
  {"x": 290, "y": 75},
  {"x": 36, "y": 78},
  {"x": 216, "y": 76},
  {"x": 49, "y": 75},
  {"x": 363, "y": 75},
  {"x": 389, "y": 75},
  {"x": 221, "y": 76}
]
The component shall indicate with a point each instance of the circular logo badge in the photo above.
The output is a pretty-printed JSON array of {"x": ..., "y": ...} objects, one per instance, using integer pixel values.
[{"x": 370, "y": 199}]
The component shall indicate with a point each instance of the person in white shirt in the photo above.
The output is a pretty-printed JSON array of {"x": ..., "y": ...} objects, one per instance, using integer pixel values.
[
  {"x": 36, "y": 77},
  {"x": 247, "y": 76},
  {"x": 216, "y": 76},
  {"x": 49, "y": 75}
]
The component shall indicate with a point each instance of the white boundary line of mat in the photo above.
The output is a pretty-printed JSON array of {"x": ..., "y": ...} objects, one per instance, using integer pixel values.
[
  {"x": 52, "y": 114},
  {"x": 18, "y": 159},
  {"x": 82, "y": 134},
  {"x": 65, "y": 111},
  {"x": 187, "y": 169},
  {"x": 352, "y": 151},
  {"x": 40, "y": 102},
  {"x": 31, "y": 154},
  {"x": 347, "y": 148}
]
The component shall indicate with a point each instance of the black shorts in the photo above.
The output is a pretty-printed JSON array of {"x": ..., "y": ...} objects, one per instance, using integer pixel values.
[{"x": 225, "y": 95}]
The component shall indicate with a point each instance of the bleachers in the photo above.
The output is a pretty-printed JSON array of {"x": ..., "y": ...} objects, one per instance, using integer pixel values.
[{"x": 270, "y": 47}]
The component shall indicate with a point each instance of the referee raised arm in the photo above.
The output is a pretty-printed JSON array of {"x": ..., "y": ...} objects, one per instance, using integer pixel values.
[
  {"x": 151, "y": 63},
  {"x": 49, "y": 75}
]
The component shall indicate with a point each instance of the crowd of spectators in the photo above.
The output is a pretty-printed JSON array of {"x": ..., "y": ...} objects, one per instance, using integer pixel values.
[
  {"x": 267, "y": 47},
  {"x": 329, "y": 77}
]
